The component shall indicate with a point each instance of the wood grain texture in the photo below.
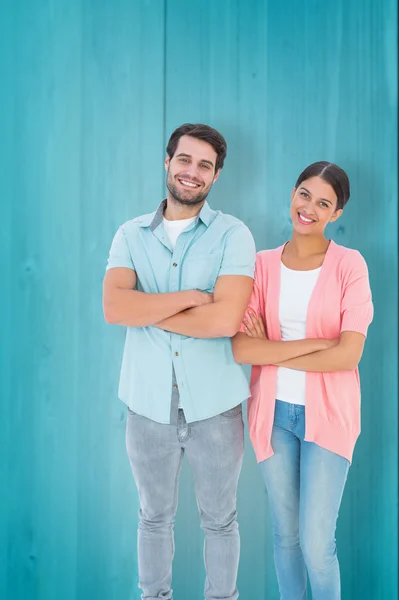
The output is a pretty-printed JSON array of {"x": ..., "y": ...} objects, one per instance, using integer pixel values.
[{"x": 90, "y": 92}]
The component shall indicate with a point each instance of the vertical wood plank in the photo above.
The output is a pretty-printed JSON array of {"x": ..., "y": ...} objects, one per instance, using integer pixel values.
[
  {"x": 7, "y": 162},
  {"x": 122, "y": 177},
  {"x": 41, "y": 544}
]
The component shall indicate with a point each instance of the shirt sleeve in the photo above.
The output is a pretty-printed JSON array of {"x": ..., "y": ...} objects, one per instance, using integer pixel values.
[
  {"x": 356, "y": 305},
  {"x": 239, "y": 254},
  {"x": 119, "y": 254}
]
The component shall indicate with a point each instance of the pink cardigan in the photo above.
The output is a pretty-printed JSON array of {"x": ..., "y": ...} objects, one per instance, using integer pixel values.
[{"x": 341, "y": 301}]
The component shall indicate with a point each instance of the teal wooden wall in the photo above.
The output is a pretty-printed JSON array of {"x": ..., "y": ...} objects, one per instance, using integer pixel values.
[{"x": 90, "y": 91}]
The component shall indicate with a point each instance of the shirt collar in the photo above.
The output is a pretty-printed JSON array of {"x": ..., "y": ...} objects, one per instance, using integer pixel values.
[{"x": 152, "y": 220}]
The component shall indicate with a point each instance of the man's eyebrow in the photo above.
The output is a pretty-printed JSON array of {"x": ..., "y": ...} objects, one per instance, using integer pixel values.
[{"x": 323, "y": 199}]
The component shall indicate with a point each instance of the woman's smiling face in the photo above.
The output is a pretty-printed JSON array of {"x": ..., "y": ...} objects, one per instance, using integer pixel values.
[{"x": 313, "y": 206}]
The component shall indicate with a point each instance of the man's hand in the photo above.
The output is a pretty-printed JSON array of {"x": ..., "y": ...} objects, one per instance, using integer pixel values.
[{"x": 201, "y": 298}]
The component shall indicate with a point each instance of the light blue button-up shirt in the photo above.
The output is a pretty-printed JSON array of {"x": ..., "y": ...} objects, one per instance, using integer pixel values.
[{"x": 208, "y": 379}]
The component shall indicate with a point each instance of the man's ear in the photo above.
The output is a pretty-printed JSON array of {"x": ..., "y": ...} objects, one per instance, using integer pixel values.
[
  {"x": 336, "y": 215},
  {"x": 167, "y": 163},
  {"x": 216, "y": 175}
]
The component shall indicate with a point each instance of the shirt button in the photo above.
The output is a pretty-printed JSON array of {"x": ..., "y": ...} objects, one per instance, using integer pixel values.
[
  {"x": 175, "y": 264},
  {"x": 176, "y": 354},
  {"x": 175, "y": 385}
]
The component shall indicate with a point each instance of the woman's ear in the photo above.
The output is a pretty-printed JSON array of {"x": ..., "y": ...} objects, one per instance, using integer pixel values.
[{"x": 336, "y": 215}]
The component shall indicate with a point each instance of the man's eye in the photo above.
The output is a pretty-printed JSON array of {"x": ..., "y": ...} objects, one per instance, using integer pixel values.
[{"x": 205, "y": 166}]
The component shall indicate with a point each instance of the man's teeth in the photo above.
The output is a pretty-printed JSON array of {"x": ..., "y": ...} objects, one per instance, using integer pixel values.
[{"x": 188, "y": 183}]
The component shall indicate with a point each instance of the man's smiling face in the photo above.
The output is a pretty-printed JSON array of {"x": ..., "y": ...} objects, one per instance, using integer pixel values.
[{"x": 191, "y": 171}]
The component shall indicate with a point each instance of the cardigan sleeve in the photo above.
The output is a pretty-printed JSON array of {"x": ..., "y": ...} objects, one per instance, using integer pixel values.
[
  {"x": 356, "y": 304},
  {"x": 255, "y": 302}
]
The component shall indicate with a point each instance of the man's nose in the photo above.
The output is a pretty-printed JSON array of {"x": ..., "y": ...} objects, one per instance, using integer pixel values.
[{"x": 193, "y": 171}]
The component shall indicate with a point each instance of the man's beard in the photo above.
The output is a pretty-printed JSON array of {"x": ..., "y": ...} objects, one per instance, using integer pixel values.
[{"x": 180, "y": 198}]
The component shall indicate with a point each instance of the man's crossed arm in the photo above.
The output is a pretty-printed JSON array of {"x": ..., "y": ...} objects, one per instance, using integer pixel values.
[
  {"x": 221, "y": 318},
  {"x": 191, "y": 312}
]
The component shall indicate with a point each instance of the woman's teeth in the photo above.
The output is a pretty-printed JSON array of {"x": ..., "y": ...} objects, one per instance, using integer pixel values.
[{"x": 305, "y": 219}]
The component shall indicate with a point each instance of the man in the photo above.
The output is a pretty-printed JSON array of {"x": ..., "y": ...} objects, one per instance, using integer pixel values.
[{"x": 180, "y": 279}]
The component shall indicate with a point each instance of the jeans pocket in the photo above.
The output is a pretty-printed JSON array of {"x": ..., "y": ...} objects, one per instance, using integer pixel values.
[{"x": 232, "y": 412}]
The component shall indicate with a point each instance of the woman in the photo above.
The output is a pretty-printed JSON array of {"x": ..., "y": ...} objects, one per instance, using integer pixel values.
[{"x": 304, "y": 332}]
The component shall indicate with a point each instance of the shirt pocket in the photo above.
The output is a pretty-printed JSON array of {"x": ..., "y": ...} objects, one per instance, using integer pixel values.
[{"x": 200, "y": 272}]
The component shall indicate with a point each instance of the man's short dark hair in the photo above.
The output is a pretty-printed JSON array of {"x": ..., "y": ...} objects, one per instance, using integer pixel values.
[{"x": 200, "y": 132}]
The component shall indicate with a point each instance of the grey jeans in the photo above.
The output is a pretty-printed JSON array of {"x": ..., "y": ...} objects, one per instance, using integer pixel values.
[{"x": 214, "y": 449}]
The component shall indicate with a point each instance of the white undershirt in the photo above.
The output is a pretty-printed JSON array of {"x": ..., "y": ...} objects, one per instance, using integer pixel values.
[
  {"x": 296, "y": 288},
  {"x": 175, "y": 228}
]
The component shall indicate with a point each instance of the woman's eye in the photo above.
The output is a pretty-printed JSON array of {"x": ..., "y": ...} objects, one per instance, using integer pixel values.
[
  {"x": 324, "y": 204},
  {"x": 304, "y": 194}
]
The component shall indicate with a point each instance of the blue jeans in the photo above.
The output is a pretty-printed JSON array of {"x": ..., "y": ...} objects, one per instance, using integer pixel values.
[
  {"x": 304, "y": 485},
  {"x": 214, "y": 449}
]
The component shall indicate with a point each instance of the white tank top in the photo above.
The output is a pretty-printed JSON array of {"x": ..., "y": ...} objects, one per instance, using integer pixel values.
[{"x": 296, "y": 289}]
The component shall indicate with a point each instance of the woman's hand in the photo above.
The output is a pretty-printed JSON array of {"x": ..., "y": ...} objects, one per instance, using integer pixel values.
[{"x": 254, "y": 325}]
